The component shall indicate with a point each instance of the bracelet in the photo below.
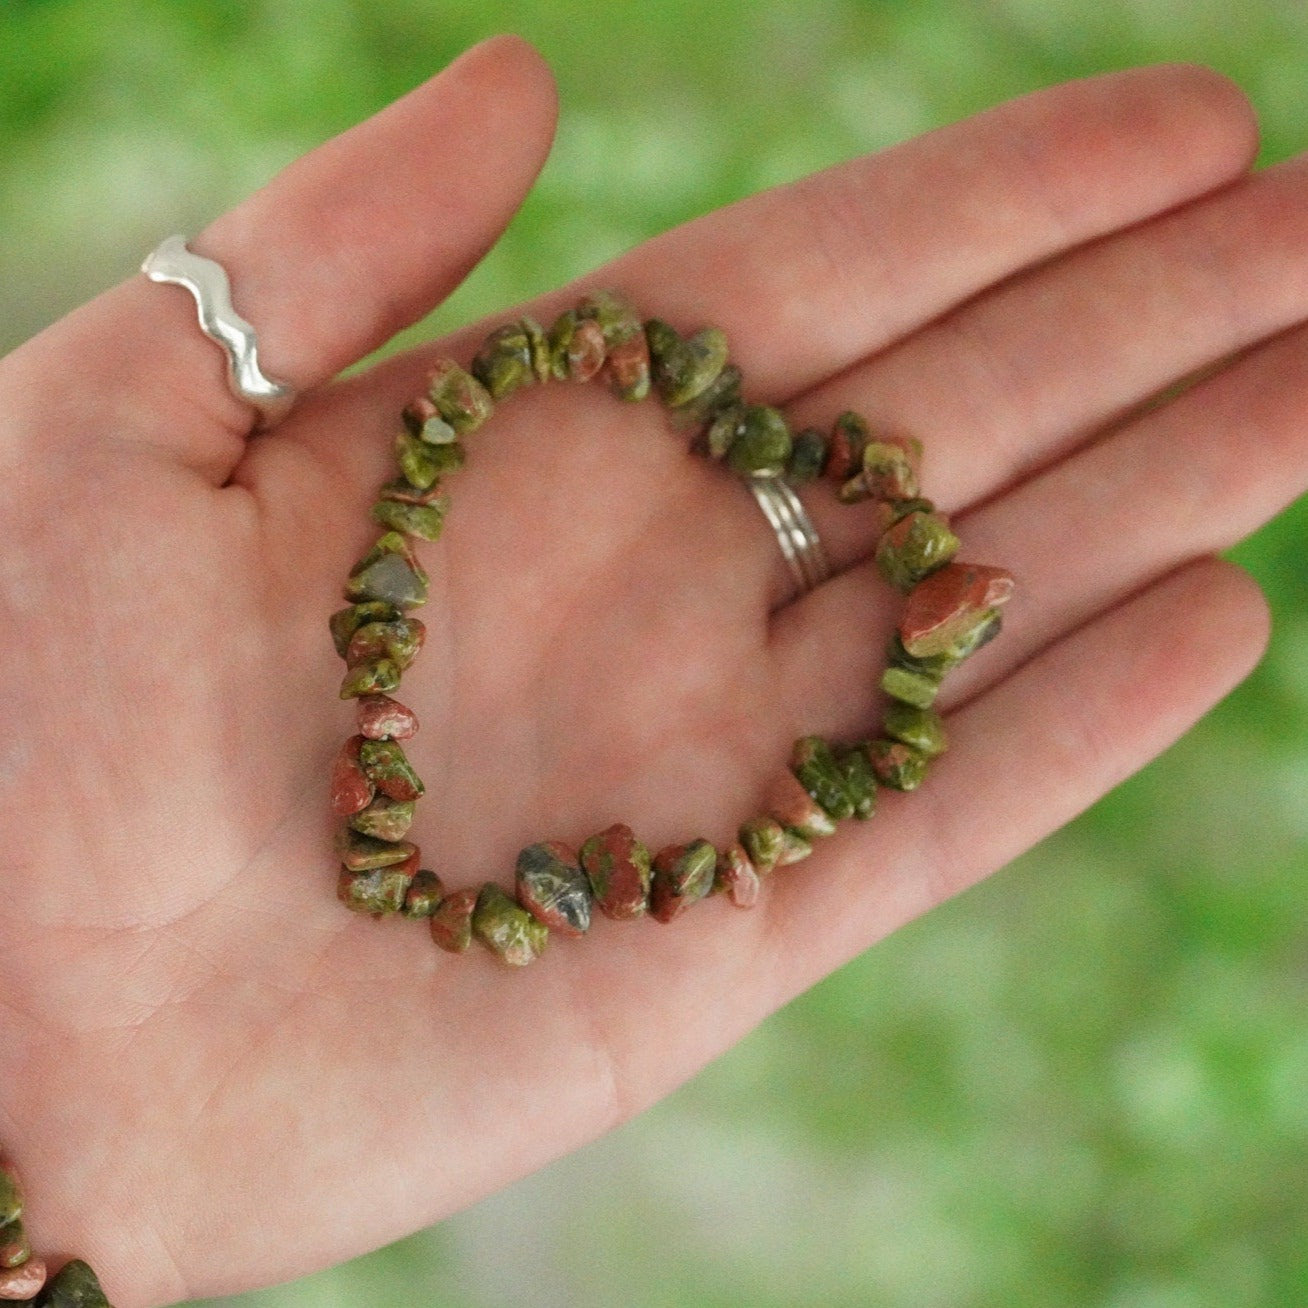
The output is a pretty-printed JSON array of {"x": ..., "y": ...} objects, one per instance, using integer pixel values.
[
  {"x": 23, "y": 1275},
  {"x": 951, "y": 609}
]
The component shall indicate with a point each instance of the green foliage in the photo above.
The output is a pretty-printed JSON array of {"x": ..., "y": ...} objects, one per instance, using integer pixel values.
[{"x": 1084, "y": 1083}]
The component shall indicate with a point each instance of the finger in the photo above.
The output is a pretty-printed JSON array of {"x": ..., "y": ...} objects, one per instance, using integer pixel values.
[
  {"x": 1025, "y": 758},
  {"x": 1021, "y": 374},
  {"x": 1181, "y": 481},
  {"x": 338, "y": 252},
  {"x": 809, "y": 278}
]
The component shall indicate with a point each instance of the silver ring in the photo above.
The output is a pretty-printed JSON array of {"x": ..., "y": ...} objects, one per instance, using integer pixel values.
[
  {"x": 798, "y": 538},
  {"x": 207, "y": 281}
]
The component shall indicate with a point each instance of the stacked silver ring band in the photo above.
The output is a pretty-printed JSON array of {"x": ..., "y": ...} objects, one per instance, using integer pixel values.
[{"x": 798, "y": 538}]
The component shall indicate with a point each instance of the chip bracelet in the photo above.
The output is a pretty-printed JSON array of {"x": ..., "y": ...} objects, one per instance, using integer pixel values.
[
  {"x": 23, "y": 1276},
  {"x": 950, "y": 610}
]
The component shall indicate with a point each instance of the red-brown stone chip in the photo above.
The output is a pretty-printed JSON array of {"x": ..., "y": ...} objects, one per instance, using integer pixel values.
[
  {"x": 943, "y": 608},
  {"x": 384, "y": 718},
  {"x": 618, "y": 867},
  {"x": 351, "y": 790},
  {"x": 737, "y": 876},
  {"x": 793, "y": 806},
  {"x": 22, "y": 1282},
  {"x": 451, "y": 923}
]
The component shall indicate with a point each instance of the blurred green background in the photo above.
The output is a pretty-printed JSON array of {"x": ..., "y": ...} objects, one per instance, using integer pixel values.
[{"x": 1084, "y": 1082}]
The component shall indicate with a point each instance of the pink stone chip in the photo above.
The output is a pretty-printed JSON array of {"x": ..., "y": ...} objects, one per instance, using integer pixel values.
[
  {"x": 941, "y": 608},
  {"x": 737, "y": 876},
  {"x": 793, "y": 806},
  {"x": 451, "y": 923},
  {"x": 384, "y": 718},
  {"x": 352, "y": 792},
  {"x": 586, "y": 350},
  {"x": 619, "y": 871},
  {"x": 628, "y": 362},
  {"x": 22, "y": 1282}
]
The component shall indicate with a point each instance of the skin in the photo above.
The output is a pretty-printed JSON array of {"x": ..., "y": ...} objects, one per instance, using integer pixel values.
[{"x": 214, "y": 1077}]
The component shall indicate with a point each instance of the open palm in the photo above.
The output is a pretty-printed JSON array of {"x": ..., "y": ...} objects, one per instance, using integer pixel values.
[{"x": 212, "y": 1075}]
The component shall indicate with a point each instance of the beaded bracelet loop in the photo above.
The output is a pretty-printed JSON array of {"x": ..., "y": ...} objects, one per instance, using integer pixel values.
[
  {"x": 951, "y": 609},
  {"x": 23, "y": 1278}
]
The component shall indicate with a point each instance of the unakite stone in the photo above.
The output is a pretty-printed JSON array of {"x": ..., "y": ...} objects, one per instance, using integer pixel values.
[
  {"x": 737, "y": 877},
  {"x": 362, "y": 853},
  {"x": 345, "y": 622},
  {"x": 808, "y": 456},
  {"x": 424, "y": 421},
  {"x": 792, "y": 806},
  {"x": 350, "y": 788},
  {"x": 421, "y": 463},
  {"x": 618, "y": 867},
  {"x": 860, "y": 781},
  {"x": 763, "y": 443},
  {"x": 383, "y": 718},
  {"x": 614, "y": 314},
  {"x": 933, "y": 665},
  {"x": 399, "y": 640},
  {"x": 684, "y": 369},
  {"x": 386, "y": 766},
  {"x": 813, "y": 762},
  {"x": 921, "y": 728},
  {"x": 506, "y": 928},
  {"x": 399, "y": 495},
  {"x": 443, "y": 459},
  {"x": 627, "y": 352},
  {"x": 664, "y": 341},
  {"x": 385, "y": 818},
  {"x": 899, "y": 766},
  {"x": 376, "y": 891},
  {"x": 537, "y": 347},
  {"x": 763, "y": 839},
  {"x": 913, "y": 680},
  {"x": 370, "y": 677},
  {"x": 451, "y": 923},
  {"x": 424, "y": 894},
  {"x": 74, "y": 1285},
  {"x": 504, "y": 362},
  {"x": 915, "y": 547},
  {"x": 948, "y": 609},
  {"x": 985, "y": 629},
  {"x": 627, "y": 366},
  {"x": 389, "y": 572},
  {"x": 552, "y": 887},
  {"x": 849, "y": 434},
  {"x": 722, "y": 393},
  {"x": 558, "y": 339},
  {"x": 682, "y": 875},
  {"x": 426, "y": 521},
  {"x": 576, "y": 348},
  {"x": 723, "y": 432},
  {"x": 14, "y": 1247},
  {"x": 22, "y": 1283},
  {"x": 891, "y": 466},
  {"x": 11, "y": 1195},
  {"x": 459, "y": 397},
  {"x": 910, "y": 687},
  {"x": 794, "y": 847}
]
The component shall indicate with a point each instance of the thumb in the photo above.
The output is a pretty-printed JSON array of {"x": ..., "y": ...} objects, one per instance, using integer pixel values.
[{"x": 342, "y": 249}]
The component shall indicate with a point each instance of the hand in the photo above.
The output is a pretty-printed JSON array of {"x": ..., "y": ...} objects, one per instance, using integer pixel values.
[{"x": 213, "y": 1076}]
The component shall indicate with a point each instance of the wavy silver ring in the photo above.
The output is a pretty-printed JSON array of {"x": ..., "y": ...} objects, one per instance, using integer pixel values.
[
  {"x": 798, "y": 538},
  {"x": 170, "y": 261}
]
